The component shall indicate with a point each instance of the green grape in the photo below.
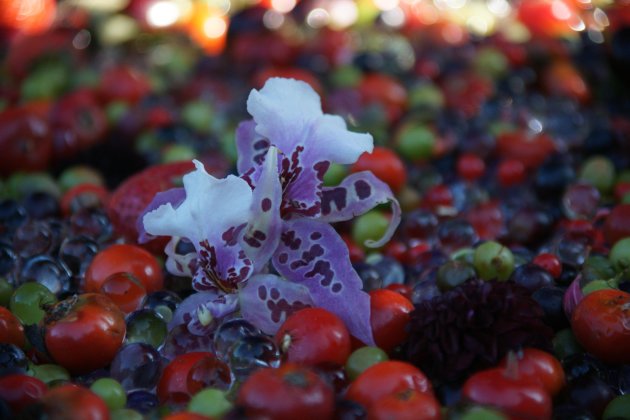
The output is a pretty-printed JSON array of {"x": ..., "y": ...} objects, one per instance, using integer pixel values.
[
  {"x": 111, "y": 391},
  {"x": 363, "y": 358},
  {"x": 28, "y": 300},
  {"x": 370, "y": 226},
  {"x": 210, "y": 402},
  {"x": 493, "y": 261}
]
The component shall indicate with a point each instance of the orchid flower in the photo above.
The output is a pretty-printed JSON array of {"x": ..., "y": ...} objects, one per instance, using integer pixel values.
[
  {"x": 287, "y": 116},
  {"x": 278, "y": 211}
]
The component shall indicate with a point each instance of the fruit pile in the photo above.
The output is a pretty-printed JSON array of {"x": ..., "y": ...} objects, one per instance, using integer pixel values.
[{"x": 504, "y": 292}]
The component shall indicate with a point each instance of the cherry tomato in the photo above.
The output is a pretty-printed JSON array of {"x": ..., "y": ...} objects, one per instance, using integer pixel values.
[
  {"x": 549, "y": 262},
  {"x": 600, "y": 323},
  {"x": 470, "y": 167},
  {"x": 287, "y": 393},
  {"x": 386, "y": 378},
  {"x": 378, "y": 88},
  {"x": 73, "y": 402},
  {"x": 124, "y": 258},
  {"x": 20, "y": 390},
  {"x": 84, "y": 332},
  {"x": 385, "y": 165},
  {"x": 125, "y": 291},
  {"x": 437, "y": 196},
  {"x": 617, "y": 225},
  {"x": 314, "y": 337},
  {"x": 122, "y": 83},
  {"x": 540, "y": 17},
  {"x": 11, "y": 329},
  {"x": 518, "y": 397},
  {"x": 406, "y": 405},
  {"x": 25, "y": 140},
  {"x": 487, "y": 219},
  {"x": 389, "y": 318},
  {"x": 530, "y": 150},
  {"x": 511, "y": 172},
  {"x": 83, "y": 195},
  {"x": 537, "y": 365},
  {"x": 78, "y": 122},
  {"x": 400, "y": 288},
  {"x": 173, "y": 384}
]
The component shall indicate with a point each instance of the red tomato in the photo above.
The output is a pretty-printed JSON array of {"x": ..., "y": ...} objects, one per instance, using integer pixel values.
[
  {"x": 407, "y": 405},
  {"x": 125, "y": 291},
  {"x": 537, "y": 365},
  {"x": 11, "y": 329},
  {"x": 25, "y": 140},
  {"x": 378, "y": 88},
  {"x": 402, "y": 289},
  {"x": 530, "y": 150},
  {"x": 386, "y": 378},
  {"x": 511, "y": 172},
  {"x": 617, "y": 225},
  {"x": 314, "y": 337},
  {"x": 289, "y": 392},
  {"x": 438, "y": 196},
  {"x": 518, "y": 397},
  {"x": 547, "y": 18},
  {"x": 73, "y": 402},
  {"x": 20, "y": 390},
  {"x": 83, "y": 195},
  {"x": 389, "y": 318},
  {"x": 385, "y": 165},
  {"x": 549, "y": 262},
  {"x": 470, "y": 167},
  {"x": 122, "y": 83},
  {"x": 124, "y": 258},
  {"x": 600, "y": 324},
  {"x": 84, "y": 332},
  {"x": 173, "y": 384}
]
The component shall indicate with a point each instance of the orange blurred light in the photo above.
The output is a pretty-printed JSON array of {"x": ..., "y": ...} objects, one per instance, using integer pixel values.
[
  {"x": 208, "y": 28},
  {"x": 28, "y": 16}
]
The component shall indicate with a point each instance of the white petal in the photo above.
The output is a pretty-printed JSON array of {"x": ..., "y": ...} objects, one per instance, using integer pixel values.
[
  {"x": 288, "y": 112},
  {"x": 211, "y": 207}
]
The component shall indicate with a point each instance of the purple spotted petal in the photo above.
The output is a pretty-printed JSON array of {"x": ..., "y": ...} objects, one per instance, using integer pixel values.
[
  {"x": 174, "y": 196},
  {"x": 313, "y": 254},
  {"x": 357, "y": 194},
  {"x": 201, "y": 312},
  {"x": 267, "y": 301},
  {"x": 263, "y": 231},
  {"x": 301, "y": 175},
  {"x": 224, "y": 266},
  {"x": 251, "y": 147}
]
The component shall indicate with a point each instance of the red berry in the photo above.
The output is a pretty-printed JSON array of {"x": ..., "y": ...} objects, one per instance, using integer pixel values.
[
  {"x": 549, "y": 262},
  {"x": 470, "y": 167},
  {"x": 20, "y": 390},
  {"x": 122, "y": 83},
  {"x": 83, "y": 195},
  {"x": 406, "y": 405},
  {"x": 73, "y": 402},
  {"x": 402, "y": 289},
  {"x": 124, "y": 258},
  {"x": 386, "y": 378},
  {"x": 287, "y": 393},
  {"x": 173, "y": 385},
  {"x": 389, "y": 318},
  {"x": 511, "y": 172},
  {"x": 385, "y": 165},
  {"x": 84, "y": 333},
  {"x": 530, "y": 150},
  {"x": 438, "y": 196},
  {"x": 378, "y": 88},
  {"x": 538, "y": 366},
  {"x": 11, "y": 329},
  {"x": 617, "y": 225},
  {"x": 125, "y": 291},
  {"x": 314, "y": 337}
]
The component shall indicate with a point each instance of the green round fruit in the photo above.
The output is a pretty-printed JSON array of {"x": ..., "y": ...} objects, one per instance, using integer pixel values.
[
  {"x": 210, "y": 402},
  {"x": 111, "y": 391},
  {"x": 369, "y": 227},
  {"x": 28, "y": 300},
  {"x": 599, "y": 171},
  {"x": 620, "y": 255},
  {"x": 362, "y": 358},
  {"x": 415, "y": 143},
  {"x": 493, "y": 261},
  {"x": 618, "y": 408}
]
